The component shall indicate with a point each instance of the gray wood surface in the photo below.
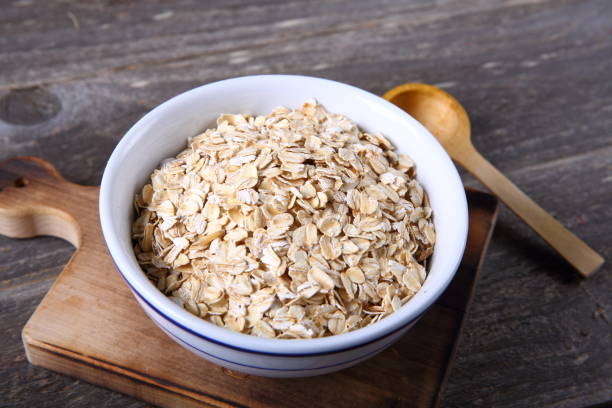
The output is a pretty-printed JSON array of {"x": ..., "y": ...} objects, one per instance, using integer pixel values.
[{"x": 534, "y": 75}]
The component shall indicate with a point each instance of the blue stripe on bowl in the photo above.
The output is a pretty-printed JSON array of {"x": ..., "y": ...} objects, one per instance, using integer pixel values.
[
  {"x": 189, "y": 345},
  {"x": 263, "y": 353}
]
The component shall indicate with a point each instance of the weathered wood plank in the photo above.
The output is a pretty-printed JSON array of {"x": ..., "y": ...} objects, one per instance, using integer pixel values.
[
  {"x": 547, "y": 330},
  {"x": 463, "y": 64}
]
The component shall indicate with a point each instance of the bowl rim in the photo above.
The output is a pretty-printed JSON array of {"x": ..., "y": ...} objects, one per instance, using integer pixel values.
[{"x": 147, "y": 292}]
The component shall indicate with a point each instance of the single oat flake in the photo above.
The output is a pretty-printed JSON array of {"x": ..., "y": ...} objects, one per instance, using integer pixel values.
[{"x": 292, "y": 225}]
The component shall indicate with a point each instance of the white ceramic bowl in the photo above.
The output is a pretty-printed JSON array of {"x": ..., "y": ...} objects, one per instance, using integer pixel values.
[{"x": 163, "y": 132}]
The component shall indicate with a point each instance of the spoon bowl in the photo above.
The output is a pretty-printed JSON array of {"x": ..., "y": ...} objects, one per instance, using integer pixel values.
[
  {"x": 448, "y": 121},
  {"x": 435, "y": 109}
]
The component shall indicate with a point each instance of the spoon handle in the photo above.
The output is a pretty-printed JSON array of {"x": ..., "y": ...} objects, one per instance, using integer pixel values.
[{"x": 568, "y": 245}]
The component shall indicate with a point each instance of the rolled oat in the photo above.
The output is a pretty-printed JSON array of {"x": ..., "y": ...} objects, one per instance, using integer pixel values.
[{"x": 292, "y": 225}]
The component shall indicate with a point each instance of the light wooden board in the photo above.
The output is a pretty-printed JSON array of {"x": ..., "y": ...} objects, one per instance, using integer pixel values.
[{"x": 89, "y": 326}]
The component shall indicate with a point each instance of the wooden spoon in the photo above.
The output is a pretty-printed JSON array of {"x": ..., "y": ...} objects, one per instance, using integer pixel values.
[{"x": 446, "y": 119}]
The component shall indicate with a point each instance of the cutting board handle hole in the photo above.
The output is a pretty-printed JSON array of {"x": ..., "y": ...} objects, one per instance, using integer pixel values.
[{"x": 21, "y": 182}]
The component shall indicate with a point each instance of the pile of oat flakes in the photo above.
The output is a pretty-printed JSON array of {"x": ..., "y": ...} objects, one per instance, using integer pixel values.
[{"x": 292, "y": 225}]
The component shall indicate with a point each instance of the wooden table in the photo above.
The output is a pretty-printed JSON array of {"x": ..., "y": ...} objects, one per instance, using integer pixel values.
[{"x": 535, "y": 76}]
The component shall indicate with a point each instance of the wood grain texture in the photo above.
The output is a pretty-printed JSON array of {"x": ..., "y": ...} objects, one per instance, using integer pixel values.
[
  {"x": 89, "y": 325},
  {"x": 448, "y": 121},
  {"x": 534, "y": 75}
]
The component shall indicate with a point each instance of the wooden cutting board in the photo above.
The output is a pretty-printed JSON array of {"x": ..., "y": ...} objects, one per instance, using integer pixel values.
[{"x": 89, "y": 326}]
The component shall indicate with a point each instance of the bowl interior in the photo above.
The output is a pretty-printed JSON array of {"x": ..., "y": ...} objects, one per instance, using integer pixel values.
[{"x": 163, "y": 132}]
